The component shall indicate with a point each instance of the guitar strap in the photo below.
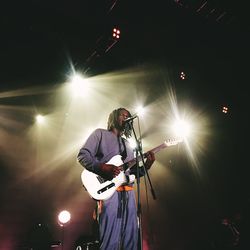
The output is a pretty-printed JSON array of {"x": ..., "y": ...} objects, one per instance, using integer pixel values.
[{"x": 124, "y": 152}]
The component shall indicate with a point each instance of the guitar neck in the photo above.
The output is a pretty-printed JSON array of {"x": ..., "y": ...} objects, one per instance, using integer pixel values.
[
  {"x": 159, "y": 148},
  {"x": 154, "y": 150}
]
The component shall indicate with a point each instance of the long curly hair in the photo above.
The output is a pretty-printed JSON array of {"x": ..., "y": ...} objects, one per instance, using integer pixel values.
[{"x": 126, "y": 129}]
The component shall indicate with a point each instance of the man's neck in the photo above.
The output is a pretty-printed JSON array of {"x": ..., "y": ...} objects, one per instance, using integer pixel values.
[{"x": 116, "y": 131}]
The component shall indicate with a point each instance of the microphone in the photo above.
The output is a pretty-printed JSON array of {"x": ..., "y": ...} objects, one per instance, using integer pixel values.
[{"x": 129, "y": 119}]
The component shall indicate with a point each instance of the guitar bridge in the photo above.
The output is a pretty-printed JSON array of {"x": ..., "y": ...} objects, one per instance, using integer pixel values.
[{"x": 100, "y": 179}]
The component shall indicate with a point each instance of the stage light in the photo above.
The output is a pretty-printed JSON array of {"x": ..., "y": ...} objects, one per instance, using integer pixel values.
[
  {"x": 64, "y": 217},
  {"x": 116, "y": 33},
  {"x": 181, "y": 128},
  {"x": 79, "y": 85},
  {"x": 183, "y": 75},
  {"x": 40, "y": 119},
  {"x": 225, "y": 110},
  {"x": 140, "y": 110},
  {"x": 112, "y": 40}
]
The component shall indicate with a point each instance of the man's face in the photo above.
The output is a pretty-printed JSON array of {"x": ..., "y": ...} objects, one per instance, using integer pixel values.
[{"x": 124, "y": 114}]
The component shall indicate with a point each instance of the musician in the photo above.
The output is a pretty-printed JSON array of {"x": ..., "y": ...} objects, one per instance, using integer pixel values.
[{"x": 117, "y": 216}]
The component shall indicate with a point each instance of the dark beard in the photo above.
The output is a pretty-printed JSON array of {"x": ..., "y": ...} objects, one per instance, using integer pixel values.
[{"x": 119, "y": 127}]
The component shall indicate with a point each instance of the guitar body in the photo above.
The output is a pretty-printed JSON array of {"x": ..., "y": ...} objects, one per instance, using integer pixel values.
[{"x": 101, "y": 189}]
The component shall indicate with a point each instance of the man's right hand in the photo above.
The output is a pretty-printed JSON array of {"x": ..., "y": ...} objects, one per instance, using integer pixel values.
[{"x": 109, "y": 171}]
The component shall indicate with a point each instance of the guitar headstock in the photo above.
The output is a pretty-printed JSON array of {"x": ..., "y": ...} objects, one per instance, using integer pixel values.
[{"x": 172, "y": 142}]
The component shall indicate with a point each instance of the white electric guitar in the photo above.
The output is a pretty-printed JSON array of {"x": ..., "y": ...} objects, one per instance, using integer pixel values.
[{"x": 102, "y": 189}]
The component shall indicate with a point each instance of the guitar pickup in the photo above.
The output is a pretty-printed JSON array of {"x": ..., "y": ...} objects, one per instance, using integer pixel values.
[{"x": 106, "y": 188}]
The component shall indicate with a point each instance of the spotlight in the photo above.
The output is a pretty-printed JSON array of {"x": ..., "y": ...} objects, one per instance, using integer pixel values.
[
  {"x": 106, "y": 43},
  {"x": 225, "y": 110},
  {"x": 40, "y": 119},
  {"x": 183, "y": 75},
  {"x": 116, "y": 33},
  {"x": 182, "y": 128},
  {"x": 140, "y": 110},
  {"x": 63, "y": 217},
  {"x": 80, "y": 86}
]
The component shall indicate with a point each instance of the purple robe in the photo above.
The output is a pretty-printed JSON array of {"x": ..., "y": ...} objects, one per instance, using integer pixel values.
[{"x": 118, "y": 223}]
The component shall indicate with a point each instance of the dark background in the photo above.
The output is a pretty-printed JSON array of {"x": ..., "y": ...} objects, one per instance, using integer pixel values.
[{"x": 41, "y": 41}]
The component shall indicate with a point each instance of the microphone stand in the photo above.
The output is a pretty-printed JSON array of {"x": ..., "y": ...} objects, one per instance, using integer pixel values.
[{"x": 139, "y": 155}]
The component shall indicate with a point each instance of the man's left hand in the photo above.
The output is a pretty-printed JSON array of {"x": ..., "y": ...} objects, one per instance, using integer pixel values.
[{"x": 150, "y": 156}]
